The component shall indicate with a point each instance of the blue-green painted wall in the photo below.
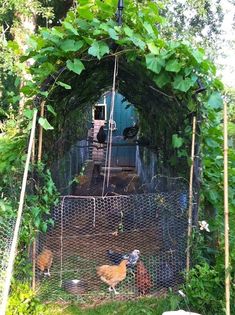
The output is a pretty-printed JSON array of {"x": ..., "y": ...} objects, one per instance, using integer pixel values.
[{"x": 124, "y": 116}]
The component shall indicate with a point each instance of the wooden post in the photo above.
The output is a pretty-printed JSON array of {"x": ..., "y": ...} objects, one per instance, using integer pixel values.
[
  {"x": 40, "y": 133},
  {"x": 226, "y": 215},
  {"x": 190, "y": 209}
]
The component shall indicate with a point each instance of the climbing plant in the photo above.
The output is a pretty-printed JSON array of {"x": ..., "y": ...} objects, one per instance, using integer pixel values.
[
  {"x": 89, "y": 35},
  {"x": 79, "y": 54}
]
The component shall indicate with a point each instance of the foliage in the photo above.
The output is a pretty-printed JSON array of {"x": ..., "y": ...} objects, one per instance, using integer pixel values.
[
  {"x": 177, "y": 64},
  {"x": 205, "y": 290},
  {"x": 89, "y": 32},
  {"x": 23, "y": 301},
  {"x": 41, "y": 193},
  {"x": 197, "y": 21},
  {"x": 80, "y": 52}
]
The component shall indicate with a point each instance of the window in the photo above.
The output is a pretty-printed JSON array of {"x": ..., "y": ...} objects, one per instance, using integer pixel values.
[{"x": 99, "y": 110}]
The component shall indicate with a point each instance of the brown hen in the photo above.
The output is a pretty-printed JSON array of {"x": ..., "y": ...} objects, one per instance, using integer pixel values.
[
  {"x": 44, "y": 261},
  {"x": 142, "y": 279},
  {"x": 112, "y": 275}
]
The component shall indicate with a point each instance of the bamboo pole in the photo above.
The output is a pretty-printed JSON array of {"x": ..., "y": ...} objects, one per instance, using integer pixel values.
[
  {"x": 34, "y": 265},
  {"x": 18, "y": 221},
  {"x": 40, "y": 132},
  {"x": 226, "y": 214},
  {"x": 190, "y": 209}
]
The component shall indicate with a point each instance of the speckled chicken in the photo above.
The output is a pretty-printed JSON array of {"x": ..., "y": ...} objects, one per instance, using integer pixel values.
[{"x": 112, "y": 275}]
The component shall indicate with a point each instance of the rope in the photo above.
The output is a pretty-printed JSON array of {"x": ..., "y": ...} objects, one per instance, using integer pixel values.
[
  {"x": 18, "y": 220},
  {"x": 110, "y": 131}
]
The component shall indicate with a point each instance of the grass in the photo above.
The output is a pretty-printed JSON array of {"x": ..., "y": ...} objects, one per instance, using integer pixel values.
[{"x": 149, "y": 306}]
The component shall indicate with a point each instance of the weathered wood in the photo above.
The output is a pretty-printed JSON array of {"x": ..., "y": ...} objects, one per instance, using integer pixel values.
[
  {"x": 226, "y": 214},
  {"x": 190, "y": 196}
]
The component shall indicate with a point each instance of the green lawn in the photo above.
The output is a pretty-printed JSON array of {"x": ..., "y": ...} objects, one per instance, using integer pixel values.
[{"x": 149, "y": 306}]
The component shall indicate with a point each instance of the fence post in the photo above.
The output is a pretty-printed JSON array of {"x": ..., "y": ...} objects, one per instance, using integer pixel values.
[
  {"x": 226, "y": 215},
  {"x": 190, "y": 196}
]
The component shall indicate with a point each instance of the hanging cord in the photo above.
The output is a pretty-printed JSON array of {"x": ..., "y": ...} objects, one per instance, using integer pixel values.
[
  {"x": 110, "y": 131},
  {"x": 18, "y": 220}
]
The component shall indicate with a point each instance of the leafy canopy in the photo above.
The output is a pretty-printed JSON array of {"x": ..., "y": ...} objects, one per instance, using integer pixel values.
[{"x": 90, "y": 32}]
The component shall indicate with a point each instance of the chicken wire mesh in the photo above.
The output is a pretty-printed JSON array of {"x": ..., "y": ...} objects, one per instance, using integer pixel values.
[
  {"x": 90, "y": 232},
  {"x": 6, "y": 236}
]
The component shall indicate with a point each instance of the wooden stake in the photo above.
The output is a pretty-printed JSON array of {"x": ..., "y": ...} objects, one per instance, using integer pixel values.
[
  {"x": 190, "y": 209},
  {"x": 40, "y": 133},
  {"x": 226, "y": 214},
  {"x": 9, "y": 270}
]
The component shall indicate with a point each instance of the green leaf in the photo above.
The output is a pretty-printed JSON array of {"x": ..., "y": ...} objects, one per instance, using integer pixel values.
[
  {"x": 113, "y": 34},
  {"x": 85, "y": 12},
  {"x": 173, "y": 66},
  {"x": 212, "y": 143},
  {"x": 70, "y": 27},
  {"x": 177, "y": 141},
  {"x": 71, "y": 45},
  {"x": 44, "y": 227},
  {"x": 17, "y": 82},
  {"x": 35, "y": 211},
  {"x": 148, "y": 28},
  {"x": 28, "y": 113},
  {"x": 84, "y": 25},
  {"x": 57, "y": 32},
  {"x": 198, "y": 55},
  {"x": 51, "y": 110},
  {"x": 215, "y": 101},
  {"x": 45, "y": 124},
  {"x": 188, "y": 70},
  {"x": 76, "y": 65},
  {"x": 64, "y": 85},
  {"x": 98, "y": 49},
  {"x": 153, "y": 48},
  {"x": 43, "y": 93},
  {"x": 128, "y": 31},
  {"x": 37, "y": 222},
  {"x": 137, "y": 41},
  {"x": 154, "y": 63},
  {"x": 213, "y": 195},
  {"x": 162, "y": 79},
  {"x": 182, "y": 84}
]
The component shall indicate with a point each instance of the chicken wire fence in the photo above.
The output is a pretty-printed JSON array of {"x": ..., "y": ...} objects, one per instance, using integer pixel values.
[
  {"x": 90, "y": 232},
  {"x": 6, "y": 235}
]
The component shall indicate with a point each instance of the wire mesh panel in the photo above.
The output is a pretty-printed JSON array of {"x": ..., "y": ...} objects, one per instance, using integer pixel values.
[
  {"x": 99, "y": 246},
  {"x": 6, "y": 236}
]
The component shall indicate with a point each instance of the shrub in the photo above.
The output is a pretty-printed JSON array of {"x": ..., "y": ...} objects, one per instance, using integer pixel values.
[
  {"x": 23, "y": 301},
  {"x": 205, "y": 292}
]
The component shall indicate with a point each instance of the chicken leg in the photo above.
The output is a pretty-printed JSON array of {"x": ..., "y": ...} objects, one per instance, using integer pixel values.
[{"x": 113, "y": 289}]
